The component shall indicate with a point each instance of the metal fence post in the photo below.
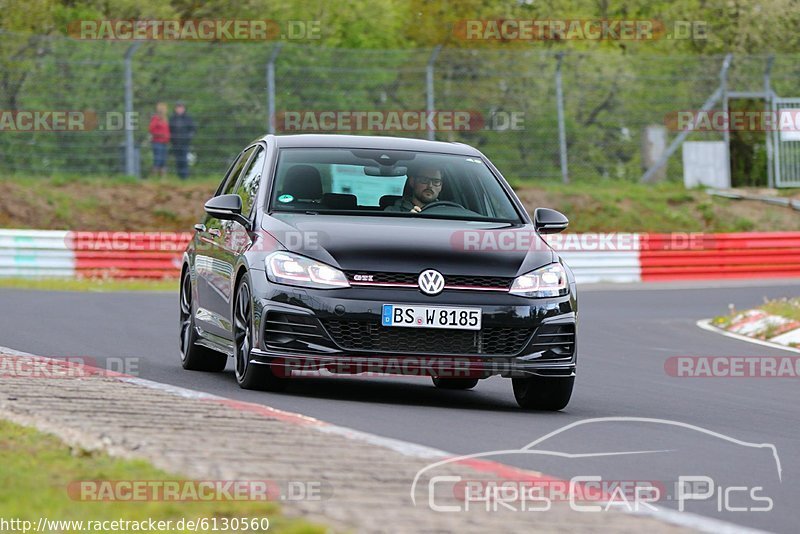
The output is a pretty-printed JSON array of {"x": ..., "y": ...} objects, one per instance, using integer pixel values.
[
  {"x": 768, "y": 108},
  {"x": 429, "y": 89},
  {"x": 131, "y": 169},
  {"x": 271, "y": 87},
  {"x": 562, "y": 131},
  {"x": 726, "y": 134}
]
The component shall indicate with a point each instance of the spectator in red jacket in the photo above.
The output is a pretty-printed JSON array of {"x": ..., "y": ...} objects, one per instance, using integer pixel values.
[{"x": 159, "y": 132}]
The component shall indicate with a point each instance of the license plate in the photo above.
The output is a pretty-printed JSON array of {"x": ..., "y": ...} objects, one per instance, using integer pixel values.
[{"x": 429, "y": 317}]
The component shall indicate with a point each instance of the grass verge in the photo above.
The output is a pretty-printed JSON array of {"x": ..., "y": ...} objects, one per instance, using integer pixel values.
[
  {"x": 169, "y": 204},
  {"x": 786, "y": 307},
  {"x": 97, "y": 285},
  {"x": 615, "y": 206},
  {"x": 36, "y": 470}
]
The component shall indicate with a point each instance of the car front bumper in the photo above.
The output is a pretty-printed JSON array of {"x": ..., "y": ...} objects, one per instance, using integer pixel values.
[{"x": 340, "y": 330}]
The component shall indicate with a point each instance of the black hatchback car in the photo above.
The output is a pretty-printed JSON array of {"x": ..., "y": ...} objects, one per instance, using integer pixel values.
[{"x": 377, "y": 254}]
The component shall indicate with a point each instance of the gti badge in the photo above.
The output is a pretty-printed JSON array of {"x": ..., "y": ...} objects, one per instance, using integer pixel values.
[{"x": 431, "y": 282}]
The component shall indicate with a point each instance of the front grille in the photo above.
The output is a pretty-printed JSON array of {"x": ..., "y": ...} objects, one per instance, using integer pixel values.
[
  {"x": 386, "y": 278},
  {"x": 367, "y": 336},
  {"x": 555, "y": 341},
  {"x": 292, "y": 331},
  {"x": 478, "y": 281},
  {"x": 497, "y": 282}
]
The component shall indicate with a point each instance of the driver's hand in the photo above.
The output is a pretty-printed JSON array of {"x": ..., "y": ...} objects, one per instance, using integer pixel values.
[{"x": 415, "y": 209}]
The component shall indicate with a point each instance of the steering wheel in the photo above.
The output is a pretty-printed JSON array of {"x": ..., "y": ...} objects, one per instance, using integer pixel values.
[{"x": 441, "y": 203}]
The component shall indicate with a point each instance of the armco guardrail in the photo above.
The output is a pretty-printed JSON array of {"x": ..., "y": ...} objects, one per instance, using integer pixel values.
[
  {"x": 47, "y": 253},
  {"x": 615, "y": 257},
  {"x": 597, "y": 257},
  {"x": 718, "y": 256},
  {"x": 127, "y": 254},
  {"x": 29, "y": 253}
]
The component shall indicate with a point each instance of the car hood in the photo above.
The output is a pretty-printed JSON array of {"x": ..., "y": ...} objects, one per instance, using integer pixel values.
[{"x": 408, "y": 245}]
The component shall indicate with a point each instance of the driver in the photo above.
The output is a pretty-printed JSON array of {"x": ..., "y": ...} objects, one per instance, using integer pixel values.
[{"x": 424, "y": 184}]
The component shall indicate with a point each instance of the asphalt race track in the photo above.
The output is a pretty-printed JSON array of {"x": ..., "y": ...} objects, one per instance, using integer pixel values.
[{"x": 625, "y": 336}]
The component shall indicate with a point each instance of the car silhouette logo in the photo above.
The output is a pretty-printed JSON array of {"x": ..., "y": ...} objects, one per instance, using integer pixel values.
[{"x": 431, "y": 282}]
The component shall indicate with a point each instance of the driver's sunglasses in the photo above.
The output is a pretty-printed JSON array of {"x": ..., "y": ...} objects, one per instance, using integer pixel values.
[{"x": 436, "y": 182}]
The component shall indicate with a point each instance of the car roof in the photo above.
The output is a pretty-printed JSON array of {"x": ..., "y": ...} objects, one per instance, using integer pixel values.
[{"x": 370, "y": 141}]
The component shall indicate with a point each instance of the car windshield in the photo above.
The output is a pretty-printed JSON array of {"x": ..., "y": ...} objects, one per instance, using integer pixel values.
[{"x": 395, "y": 183}]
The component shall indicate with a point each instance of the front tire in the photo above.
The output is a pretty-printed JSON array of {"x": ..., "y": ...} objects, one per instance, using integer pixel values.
[
  {"x": 249, "y": 375},
  {"x": 194, "y": 357},
  {"x": 455, "y": 383},
  {"x": 543, "y": 393}
]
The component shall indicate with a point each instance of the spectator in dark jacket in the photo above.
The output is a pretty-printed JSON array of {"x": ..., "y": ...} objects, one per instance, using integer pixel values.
[
  {"x": 181, "y": 128},
  {"x": 159, "y": 136}
]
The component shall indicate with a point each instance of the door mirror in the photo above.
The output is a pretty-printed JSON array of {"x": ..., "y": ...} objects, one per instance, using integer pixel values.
[
  {"x": 227, "y": 208},
  {"x": 547, "y": 221}
]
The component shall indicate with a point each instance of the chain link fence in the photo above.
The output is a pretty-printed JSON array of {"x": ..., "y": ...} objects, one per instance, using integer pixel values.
[{"x": 608, "y": 100}]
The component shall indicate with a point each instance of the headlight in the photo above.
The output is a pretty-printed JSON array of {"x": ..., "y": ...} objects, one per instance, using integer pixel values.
[
  {"x": 295, "y": 270},
  {"x": 548, "y": 281}
]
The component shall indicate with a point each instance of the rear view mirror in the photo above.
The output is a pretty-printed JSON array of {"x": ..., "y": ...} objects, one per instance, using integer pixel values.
[
  {"x": 547, "y": 221},
  {"x": 385, "y": 171}
]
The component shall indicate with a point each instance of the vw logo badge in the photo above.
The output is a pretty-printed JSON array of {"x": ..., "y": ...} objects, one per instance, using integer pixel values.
[{"x": 431, "y": 282}]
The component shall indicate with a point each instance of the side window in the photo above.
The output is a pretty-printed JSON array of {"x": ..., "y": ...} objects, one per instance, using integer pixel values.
[
  {"x": 236, "y": 170},
  {"x": 228, "y": 174},
  {"x": 247, "y": 187}
]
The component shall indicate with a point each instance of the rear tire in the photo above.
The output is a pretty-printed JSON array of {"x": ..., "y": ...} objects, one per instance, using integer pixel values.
[
  {"x": 249, "y": 375},
  {"x": 543, "y": 393},
  {"x": 194, "y": 357},
  {"x": 455, "y": 383}
]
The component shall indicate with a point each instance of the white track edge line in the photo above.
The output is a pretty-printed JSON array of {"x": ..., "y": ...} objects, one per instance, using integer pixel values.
[
  {"x": 407, "y": 448},
  {"x": 169, "y": 388},
  {"x": 705, "y": 324}
]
